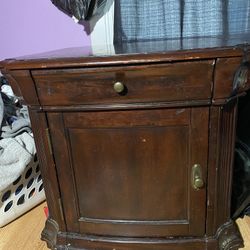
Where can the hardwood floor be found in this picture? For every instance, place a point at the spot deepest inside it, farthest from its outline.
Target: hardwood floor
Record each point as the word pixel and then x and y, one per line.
pixel 244 225
pixel 24 233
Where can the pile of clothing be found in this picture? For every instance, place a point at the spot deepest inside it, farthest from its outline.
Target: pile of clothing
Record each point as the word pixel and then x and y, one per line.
pixel 17 145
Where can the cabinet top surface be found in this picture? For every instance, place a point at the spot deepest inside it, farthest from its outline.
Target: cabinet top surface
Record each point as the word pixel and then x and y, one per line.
pixel 134 53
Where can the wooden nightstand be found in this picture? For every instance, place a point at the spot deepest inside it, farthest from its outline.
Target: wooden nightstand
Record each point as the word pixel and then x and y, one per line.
pixel 136 149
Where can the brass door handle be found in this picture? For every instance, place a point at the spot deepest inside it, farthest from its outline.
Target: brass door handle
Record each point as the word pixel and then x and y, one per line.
pixel 197 180
pixel 119 87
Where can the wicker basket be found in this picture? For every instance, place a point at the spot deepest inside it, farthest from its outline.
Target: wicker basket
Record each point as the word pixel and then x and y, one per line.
pixel 23 194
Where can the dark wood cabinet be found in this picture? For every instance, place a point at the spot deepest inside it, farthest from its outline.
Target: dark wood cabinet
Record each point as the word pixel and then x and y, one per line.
pixel 136 149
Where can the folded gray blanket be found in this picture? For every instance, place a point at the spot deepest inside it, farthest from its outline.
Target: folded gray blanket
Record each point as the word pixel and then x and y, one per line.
pixel 17 127
pixel 1 110
pixel 15 154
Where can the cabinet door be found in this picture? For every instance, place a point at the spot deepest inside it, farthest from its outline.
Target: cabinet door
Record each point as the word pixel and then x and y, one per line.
pixel 129 173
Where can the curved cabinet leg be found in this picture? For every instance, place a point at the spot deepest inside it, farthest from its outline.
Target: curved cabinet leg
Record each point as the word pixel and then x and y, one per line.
pixel 49 233
pixel 229 237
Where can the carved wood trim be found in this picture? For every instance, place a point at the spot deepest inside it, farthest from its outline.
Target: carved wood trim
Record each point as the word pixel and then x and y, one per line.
pixel 221 156
pixel 14 84
pixel 49 233
pixel 63 165
pixel 225 161
pixel 126 106
pixel 229 237
pixel 47 166
pixel 120 59
pixel 23 85
pixel 212 179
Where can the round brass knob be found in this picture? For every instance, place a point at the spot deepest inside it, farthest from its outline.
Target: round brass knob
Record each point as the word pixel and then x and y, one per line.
pixel 198 183
pixel 119 87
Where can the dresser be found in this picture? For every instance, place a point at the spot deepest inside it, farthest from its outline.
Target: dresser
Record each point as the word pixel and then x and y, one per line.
pixel 136 146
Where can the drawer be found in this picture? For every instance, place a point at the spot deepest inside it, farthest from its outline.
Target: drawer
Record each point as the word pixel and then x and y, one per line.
pixel 148 83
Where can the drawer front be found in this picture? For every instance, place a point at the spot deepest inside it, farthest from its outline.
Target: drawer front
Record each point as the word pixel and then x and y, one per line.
pixel 147 83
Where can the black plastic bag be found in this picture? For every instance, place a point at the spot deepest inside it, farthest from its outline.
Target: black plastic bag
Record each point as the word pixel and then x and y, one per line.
pixel 81 9
pixel 241 181
pixel 241 176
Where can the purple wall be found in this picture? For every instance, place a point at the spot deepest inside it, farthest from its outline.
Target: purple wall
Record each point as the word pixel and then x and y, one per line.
pixel 34 26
